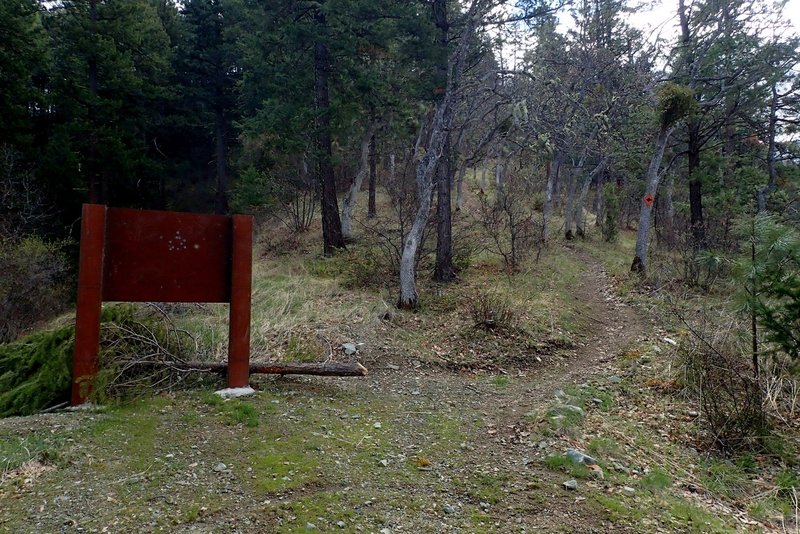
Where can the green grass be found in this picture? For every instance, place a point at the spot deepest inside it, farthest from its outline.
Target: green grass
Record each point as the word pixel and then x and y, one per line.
pixel 483 487
pixel 243 413
pixel 501 381
pixel 618 508
pixel 603 446
pixel 725 478
pixel 560 462
pixel 584 397
pixel 691 517
pixel 788 482
pixel 656 480
pixel 39 446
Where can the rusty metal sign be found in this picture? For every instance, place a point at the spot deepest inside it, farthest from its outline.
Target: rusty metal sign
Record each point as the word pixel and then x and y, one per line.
pixel 648 199
pixel 141 255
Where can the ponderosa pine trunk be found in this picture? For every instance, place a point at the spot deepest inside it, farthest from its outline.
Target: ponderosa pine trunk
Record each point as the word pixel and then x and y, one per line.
pixel 332 237
pixel 443 270
pixel 639 264
pixel 762 193
pixel 221 196
pixel 372 210
pixel 696 219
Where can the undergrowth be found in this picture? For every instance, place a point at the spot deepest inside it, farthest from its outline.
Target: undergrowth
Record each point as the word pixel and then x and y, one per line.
pixel 36 371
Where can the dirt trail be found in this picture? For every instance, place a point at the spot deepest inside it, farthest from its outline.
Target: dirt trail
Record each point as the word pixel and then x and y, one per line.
pixel 532 495
pixel 613 327
pixel 351 451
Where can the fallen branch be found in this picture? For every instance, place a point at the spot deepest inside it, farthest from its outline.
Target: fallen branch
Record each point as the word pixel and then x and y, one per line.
pixel 276 368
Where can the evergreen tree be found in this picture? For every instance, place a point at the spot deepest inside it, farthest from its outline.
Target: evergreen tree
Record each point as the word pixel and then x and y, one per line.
pixel 111 69
pixel 209 72
pixel 23 63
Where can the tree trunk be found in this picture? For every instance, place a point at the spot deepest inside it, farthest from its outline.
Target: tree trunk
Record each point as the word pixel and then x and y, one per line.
pixel 569 211
pixel 580 218
pixel 762 193
pixel 462 171
pixel 695 188
pixel 351 199
pixel 408 286
pixel 332 236
pixel 665 215
pixel 552 177
pixel 651 187
pixel 221 196
pixel 443 270
pixel 95 182
pixel 372 211
pixel 426 166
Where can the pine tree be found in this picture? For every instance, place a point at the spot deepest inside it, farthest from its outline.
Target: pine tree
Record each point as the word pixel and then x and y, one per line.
pixel 23 60
pixel 111 69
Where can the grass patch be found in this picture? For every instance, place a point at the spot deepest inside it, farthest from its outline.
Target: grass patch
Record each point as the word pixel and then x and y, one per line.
pixel 560 462
pixel 564 417
pixel 323 509
pixel 501 381
pixel 656 480
pixel 591 397
pixel 617 508
pixel 242 413
pixel 725 478
pixel 692 518
pixel 15 451
pixel 602 446
pixel 484 487
pixel 285 468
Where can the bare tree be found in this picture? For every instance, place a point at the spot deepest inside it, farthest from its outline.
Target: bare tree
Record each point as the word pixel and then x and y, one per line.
pixel 429 158
pixel 351 198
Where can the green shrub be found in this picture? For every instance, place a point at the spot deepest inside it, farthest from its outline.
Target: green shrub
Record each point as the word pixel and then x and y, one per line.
pixel 34 285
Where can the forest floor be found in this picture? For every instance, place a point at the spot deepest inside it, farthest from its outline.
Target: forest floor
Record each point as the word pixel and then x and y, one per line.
pixel 455 429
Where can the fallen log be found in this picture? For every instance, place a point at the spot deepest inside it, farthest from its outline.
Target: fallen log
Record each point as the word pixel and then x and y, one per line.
pixel 278 368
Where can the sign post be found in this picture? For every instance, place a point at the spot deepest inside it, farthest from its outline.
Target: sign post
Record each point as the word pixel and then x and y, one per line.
pixel 143 256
